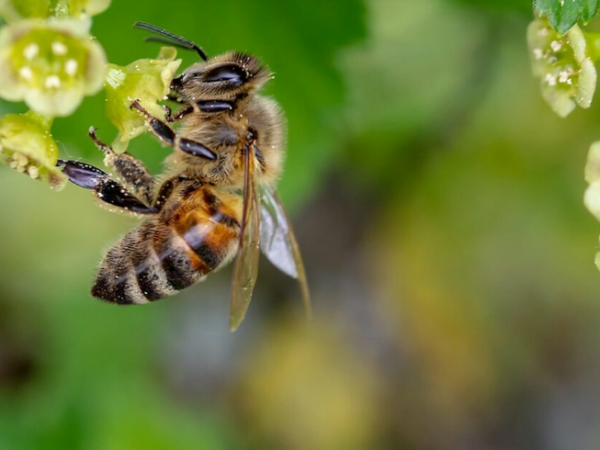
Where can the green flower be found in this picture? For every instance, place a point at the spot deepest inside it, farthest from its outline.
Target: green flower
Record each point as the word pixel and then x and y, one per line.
pixel 16 10
pixel 564 66
pixel 50 65
pixel 26 145
pixel 146 80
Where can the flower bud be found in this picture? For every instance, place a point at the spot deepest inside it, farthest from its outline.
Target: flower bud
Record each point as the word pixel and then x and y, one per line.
pixel 26 145
pixel 16 10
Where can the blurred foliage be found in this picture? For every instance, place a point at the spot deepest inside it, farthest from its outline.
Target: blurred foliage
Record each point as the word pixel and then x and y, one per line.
pixel 438 203
pixel 511 6
pixel 334 406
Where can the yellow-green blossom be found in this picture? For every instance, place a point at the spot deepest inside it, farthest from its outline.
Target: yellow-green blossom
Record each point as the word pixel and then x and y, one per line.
pixel 15 10
pixel 146 80
pixel 26 145
pixel 50 65
pixel 564 66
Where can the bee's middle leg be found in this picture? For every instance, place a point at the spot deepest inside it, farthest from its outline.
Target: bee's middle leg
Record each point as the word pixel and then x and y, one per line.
pixel 166 135
pixel 130 171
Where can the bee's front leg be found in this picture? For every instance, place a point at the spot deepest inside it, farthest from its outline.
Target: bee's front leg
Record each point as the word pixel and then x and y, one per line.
pixel 104 187
pixel 205 106
pixel 184 111
pixel 167 136
pixel 131 171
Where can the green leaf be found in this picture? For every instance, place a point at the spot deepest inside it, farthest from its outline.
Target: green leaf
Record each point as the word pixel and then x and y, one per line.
pixel 563 14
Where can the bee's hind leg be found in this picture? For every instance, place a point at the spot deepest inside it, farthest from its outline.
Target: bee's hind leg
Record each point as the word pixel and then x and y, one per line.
pixel 131 171
pixel 167 136
pixel 104 187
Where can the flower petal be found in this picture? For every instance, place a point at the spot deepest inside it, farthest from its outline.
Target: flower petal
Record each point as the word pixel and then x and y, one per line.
pixel 592 167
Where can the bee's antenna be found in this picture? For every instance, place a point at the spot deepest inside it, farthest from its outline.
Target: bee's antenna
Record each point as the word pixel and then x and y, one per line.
pixel 166 42
pixel 178 40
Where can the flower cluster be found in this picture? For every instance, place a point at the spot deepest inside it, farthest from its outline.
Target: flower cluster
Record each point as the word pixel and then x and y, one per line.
pixel 564 66
pixel 49 61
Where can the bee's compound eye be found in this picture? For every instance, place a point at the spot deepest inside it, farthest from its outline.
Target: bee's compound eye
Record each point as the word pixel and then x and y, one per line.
pixel 229 73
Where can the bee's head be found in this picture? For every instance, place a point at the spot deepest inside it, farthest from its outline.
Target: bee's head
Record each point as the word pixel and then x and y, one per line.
pixel 224 77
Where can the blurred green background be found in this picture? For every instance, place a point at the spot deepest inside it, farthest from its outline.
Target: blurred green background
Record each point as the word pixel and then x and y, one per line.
pixel 438 204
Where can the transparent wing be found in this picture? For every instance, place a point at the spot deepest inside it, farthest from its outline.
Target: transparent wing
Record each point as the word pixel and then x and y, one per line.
pixel 278 243
pixel 245 268
pixel 274 234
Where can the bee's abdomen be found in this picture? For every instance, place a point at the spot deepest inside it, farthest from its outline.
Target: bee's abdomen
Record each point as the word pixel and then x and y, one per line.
pixel 157 260
pixel 132 271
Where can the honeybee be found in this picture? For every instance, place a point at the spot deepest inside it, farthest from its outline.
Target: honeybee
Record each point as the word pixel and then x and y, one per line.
pixel 216 201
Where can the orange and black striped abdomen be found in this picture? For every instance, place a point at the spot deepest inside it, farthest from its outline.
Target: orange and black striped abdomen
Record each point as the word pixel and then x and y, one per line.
pixel 167 254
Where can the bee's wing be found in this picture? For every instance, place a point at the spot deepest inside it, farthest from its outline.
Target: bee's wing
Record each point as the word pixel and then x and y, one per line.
pixel 278 243
pixel 245 268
